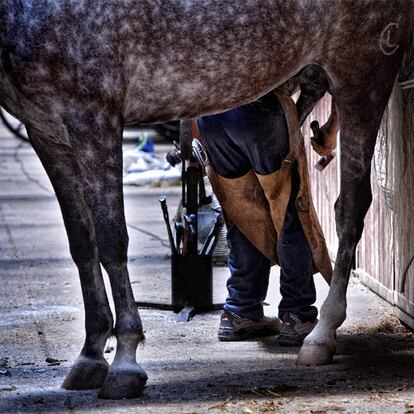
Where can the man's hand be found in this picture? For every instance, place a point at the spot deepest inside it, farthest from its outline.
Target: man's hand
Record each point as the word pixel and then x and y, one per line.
pixel 324 139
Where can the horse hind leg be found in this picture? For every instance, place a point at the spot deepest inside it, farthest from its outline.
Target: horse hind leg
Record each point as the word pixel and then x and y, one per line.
pixel 99 150
pixel 59 161
pixel 360 115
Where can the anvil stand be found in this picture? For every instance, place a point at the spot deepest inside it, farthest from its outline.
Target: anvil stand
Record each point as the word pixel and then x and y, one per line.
pixel 191 272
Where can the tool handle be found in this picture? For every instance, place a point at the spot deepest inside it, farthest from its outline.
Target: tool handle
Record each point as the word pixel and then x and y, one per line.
pixel 324 161
pixel 164 208
pixel 165 212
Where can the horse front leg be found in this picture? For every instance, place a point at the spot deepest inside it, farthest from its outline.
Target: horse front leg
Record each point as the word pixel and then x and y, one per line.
pixel 61 165
pixel 99 148
pixel 350 210
pixel 360 118
pixel 126 379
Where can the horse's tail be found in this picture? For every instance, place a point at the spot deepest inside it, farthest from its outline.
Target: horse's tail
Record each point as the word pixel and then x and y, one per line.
pixel 394 164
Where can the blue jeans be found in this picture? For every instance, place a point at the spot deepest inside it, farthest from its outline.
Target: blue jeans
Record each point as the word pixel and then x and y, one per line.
pixel 255 138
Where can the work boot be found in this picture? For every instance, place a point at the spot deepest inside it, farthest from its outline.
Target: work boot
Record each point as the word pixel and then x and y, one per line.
pixel 236 328
pixel 294 330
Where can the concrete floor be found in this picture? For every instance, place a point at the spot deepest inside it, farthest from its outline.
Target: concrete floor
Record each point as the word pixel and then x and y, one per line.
pixel 41 327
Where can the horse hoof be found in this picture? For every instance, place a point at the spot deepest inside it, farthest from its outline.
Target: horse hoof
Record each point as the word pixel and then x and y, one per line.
pixel 125 382
pixel 315 354
pixel 86 374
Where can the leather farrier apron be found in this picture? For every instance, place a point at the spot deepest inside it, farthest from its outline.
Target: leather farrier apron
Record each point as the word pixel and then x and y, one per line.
pixel 257 204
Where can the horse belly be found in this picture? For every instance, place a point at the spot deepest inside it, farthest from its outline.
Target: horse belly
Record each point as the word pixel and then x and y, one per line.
pixel 181 92
pixel 216 55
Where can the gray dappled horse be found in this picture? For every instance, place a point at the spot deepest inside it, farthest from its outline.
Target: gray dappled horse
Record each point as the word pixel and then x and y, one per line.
pixel 75 71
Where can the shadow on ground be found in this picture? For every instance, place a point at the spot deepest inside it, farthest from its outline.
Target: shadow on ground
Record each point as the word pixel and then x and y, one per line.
pixel 365 362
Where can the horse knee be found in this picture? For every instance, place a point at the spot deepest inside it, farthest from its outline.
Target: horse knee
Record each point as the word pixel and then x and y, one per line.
pixel 113 248
pixel 113 260
pixel 350 211
pixel 129 328
pixel 349 228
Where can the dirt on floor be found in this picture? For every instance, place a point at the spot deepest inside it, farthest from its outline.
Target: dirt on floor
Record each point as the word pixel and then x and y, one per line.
pixel 41 327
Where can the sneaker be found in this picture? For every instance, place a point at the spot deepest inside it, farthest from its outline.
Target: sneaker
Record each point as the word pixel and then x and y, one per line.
pixel 294 330
pixel 235 328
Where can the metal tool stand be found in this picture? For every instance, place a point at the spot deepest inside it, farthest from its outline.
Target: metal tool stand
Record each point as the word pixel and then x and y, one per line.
pixel 191 270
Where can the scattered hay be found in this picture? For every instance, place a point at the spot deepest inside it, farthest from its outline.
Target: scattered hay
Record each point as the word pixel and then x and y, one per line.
pixel 221 405
pixel 389 324
pixel 275 391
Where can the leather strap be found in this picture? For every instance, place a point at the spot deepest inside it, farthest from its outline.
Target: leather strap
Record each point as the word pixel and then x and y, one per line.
pixel 292 119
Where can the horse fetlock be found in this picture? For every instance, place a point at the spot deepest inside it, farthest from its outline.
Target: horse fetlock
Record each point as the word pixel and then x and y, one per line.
pixel 318 347
pixel 97 333
pixel 124 380
pixel 94 346
pixel 329 322
pixel 129 330
pixel 126 347
pixel 86 374
pixel 321 336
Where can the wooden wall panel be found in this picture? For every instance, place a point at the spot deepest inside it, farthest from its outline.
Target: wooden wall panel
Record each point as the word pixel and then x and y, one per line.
pixel 375 250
